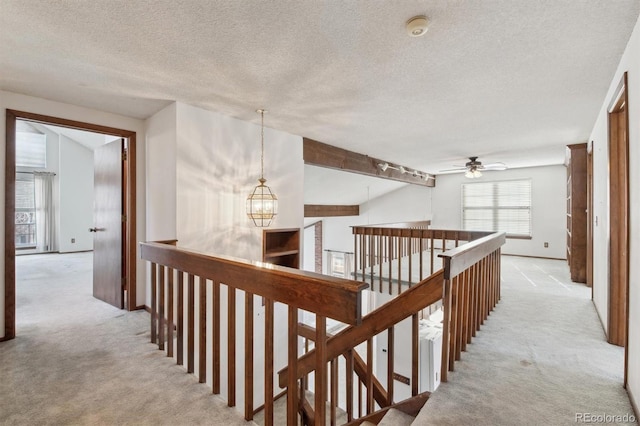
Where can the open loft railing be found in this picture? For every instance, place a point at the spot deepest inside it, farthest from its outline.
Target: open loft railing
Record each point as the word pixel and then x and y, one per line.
pixel 207 311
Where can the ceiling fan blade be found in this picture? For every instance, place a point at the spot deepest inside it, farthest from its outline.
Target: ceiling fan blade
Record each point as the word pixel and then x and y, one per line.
pixel 457 169
pixel 495 166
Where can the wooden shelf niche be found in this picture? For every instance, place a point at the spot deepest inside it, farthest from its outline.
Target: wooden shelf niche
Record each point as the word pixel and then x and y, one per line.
pixel 281 247
pixel 576 162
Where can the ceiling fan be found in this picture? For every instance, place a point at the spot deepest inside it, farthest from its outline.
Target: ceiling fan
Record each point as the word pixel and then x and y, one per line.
pixel 473 167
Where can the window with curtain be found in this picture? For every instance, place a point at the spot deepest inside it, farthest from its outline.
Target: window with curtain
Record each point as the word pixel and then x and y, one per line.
pixel 498 206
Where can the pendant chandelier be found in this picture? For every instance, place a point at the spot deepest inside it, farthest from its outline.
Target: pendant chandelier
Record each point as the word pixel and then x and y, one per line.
pixel 262 204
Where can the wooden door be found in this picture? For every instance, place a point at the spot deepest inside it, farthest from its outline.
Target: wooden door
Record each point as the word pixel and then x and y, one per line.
pixel 108 224
pixel 619 217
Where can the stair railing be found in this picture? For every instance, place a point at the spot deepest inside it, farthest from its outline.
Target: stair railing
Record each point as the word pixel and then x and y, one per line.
pixel 193 304
pixel 468 286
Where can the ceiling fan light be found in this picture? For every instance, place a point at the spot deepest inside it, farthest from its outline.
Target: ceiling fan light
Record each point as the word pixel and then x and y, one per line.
pixel 469 174
pixel 477 174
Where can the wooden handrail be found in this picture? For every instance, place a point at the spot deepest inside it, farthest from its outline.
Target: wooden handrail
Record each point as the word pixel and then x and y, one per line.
pixel 332 297
pixel 461 258
pixel 405 305
pixel 418 224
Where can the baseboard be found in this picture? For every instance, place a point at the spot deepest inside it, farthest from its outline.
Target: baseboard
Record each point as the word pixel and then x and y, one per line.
pixel 145 307
pixel 6 338
pixel 604 326
pixel 633 403
pixel 534 257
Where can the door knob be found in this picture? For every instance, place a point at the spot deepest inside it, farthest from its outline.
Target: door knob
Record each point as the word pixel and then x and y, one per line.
pixel 93 229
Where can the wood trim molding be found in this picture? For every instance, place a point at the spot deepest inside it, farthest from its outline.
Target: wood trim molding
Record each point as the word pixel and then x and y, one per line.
pixel 318 210
pixel 323 155
pixel 9 228
pixel 130 201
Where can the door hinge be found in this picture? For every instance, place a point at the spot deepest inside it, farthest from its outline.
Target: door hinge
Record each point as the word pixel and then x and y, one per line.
pixel 124 155
pixel 124 218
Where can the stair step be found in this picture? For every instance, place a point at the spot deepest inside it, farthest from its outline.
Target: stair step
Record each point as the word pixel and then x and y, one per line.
pixel 395 417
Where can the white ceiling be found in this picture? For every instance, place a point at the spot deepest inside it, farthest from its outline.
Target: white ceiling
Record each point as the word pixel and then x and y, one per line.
pixel 506 80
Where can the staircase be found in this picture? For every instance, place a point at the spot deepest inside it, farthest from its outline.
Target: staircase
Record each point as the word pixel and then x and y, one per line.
pixel 240 319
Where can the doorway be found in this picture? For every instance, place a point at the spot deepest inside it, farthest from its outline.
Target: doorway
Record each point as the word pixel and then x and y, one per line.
pixel 619 218
pixel 127 250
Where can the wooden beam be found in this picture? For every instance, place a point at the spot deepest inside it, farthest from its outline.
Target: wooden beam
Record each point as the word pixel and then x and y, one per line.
pixel 320 154
pixel 317 210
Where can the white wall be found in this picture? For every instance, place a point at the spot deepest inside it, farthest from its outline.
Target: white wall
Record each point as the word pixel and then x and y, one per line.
pixel 20 102
pixel 406 204
pixel 76 196
pixel 630 62
pixel 161 174
pixel 216 166
pixel 548 208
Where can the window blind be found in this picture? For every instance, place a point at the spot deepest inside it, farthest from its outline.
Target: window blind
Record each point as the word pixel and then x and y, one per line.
pixel 498 206
pixel 31 150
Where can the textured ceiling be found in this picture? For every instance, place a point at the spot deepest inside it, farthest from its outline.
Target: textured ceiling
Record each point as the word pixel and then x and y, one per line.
pixel 506 80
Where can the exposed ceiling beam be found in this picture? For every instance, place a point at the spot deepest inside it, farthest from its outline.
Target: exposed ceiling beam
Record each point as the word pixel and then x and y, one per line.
pixel 318 210
pixel 320 154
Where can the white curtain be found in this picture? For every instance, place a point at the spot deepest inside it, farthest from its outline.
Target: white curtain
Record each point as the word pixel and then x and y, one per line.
pixel 45 213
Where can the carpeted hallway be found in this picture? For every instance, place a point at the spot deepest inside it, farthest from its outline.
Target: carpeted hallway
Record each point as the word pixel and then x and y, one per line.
pixel 77 360
pixel 540 358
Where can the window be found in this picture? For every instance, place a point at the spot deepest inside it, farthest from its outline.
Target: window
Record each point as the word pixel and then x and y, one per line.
pixel 31 150
pixel 498 206
pixel 25 219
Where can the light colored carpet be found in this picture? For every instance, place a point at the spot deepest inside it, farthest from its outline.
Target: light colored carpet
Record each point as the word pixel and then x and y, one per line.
pixel 77 360
pixel 539 359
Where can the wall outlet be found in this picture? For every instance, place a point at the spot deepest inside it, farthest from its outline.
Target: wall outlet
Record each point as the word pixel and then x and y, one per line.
pixel 73 241
pixel 546 245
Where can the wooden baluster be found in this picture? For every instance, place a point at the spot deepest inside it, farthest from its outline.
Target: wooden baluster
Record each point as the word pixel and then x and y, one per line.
pixel 215 338
pixel 248 359
pixel 390 262
pixel 499 273
pixel 473 303
pixel 485 310
pixel 452 324
pixel 268 362
pixel 466 310
pixel 170 314
pixel 359 398
pixel 321 370
pixel 369 383
pixel 390 363
pixel 362 256
pixel 415 356
pixel 231 345
pixel 191 305
pixel 460 314
pixel 410 260
pixel 444 246
pixel 334 390
pixel 421 260
pixel 356 254
pixel 380 261
pixel 349 390
pixel 180 321
pixel 371 258
pixel 431 248
pixel 446 302
pixel 154 312
pixel 202 331
pixel 161 313
pixel 292 350
pixel 400 243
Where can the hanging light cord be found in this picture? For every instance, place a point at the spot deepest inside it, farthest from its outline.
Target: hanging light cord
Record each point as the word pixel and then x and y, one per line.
pixel 261 144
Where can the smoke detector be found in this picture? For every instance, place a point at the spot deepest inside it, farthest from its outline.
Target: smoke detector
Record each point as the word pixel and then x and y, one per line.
pixel 417 26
